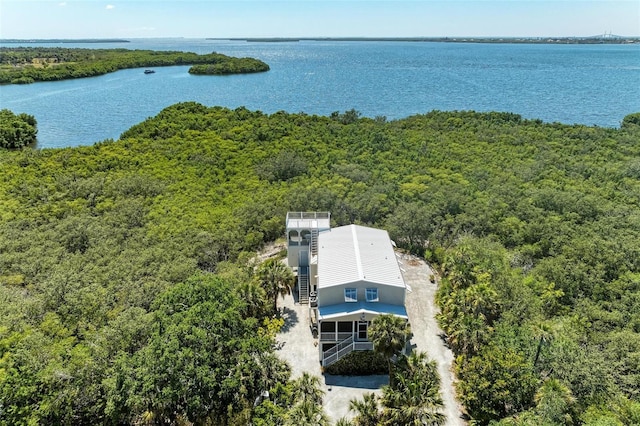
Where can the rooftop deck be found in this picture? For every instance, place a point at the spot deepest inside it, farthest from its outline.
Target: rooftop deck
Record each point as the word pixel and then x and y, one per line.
pixel 308 220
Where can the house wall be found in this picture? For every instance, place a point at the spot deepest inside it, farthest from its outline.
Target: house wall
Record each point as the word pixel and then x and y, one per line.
pixel 386 294
pixel 313 275
pixel 295 243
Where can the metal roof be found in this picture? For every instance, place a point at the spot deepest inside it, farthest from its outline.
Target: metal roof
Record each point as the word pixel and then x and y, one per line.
pixel 343 309
pixel 355 253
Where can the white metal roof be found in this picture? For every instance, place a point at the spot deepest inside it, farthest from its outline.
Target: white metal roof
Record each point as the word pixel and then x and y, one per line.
pixel 357 253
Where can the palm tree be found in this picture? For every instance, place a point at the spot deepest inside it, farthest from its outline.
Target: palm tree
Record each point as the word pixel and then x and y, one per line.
pixel 545 332
pixel 307 389
pixel 306 413
pixel 389 335
pixel 254 298
pixel 555 402
pixel 367 410
pixel 276 279
pixel 271 370
pixel 307 407
pixel 467 315
pixel 413 398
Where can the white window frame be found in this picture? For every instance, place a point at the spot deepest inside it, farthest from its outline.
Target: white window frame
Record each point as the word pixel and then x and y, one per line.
pixel 370 292
pixel 350 294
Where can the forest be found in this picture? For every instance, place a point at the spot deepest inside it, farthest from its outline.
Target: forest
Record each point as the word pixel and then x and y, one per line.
pixel 24 65
pixel 127 279
pixel 17 130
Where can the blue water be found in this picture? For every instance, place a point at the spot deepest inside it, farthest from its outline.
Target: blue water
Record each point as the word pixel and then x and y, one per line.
pixel 586 84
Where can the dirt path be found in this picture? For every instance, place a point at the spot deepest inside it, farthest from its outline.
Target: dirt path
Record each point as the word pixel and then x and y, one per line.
pixel 421 308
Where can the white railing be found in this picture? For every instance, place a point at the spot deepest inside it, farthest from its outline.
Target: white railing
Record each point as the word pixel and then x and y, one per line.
pixel 342 336
pixel 343 348
pixel 338 351
pixel 328 336
pixel 362 346
pixel 308 215
pixel 332 335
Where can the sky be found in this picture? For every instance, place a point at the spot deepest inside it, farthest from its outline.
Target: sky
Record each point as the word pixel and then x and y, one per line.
pixel 316 18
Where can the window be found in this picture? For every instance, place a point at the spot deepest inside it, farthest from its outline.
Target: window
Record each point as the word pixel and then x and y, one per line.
pixel 350 295
pixel 372 295
pixel 328 326
pixel 345 327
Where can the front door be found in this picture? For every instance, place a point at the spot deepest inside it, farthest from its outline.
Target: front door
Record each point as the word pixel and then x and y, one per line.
pixel 362 331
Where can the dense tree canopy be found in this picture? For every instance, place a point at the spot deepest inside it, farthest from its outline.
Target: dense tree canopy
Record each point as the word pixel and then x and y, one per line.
pixel 122 260
pixel 17 130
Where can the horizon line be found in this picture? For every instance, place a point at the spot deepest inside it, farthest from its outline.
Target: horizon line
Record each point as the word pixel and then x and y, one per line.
pixel 312 38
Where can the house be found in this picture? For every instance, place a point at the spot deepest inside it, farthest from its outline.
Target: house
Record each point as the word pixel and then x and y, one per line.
pixel 355 276
pixel 303 229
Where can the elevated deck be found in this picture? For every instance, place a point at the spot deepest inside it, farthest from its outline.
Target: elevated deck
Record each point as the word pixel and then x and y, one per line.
pixel 308 220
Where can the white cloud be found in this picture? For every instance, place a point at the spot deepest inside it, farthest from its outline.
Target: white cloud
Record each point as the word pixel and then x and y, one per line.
pixel 110 6
pixel 62 4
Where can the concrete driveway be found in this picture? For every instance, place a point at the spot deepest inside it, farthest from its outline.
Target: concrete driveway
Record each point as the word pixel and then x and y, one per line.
pixel 300 350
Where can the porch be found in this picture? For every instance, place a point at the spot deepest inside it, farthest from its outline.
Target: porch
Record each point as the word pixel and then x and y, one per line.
pixel 339 338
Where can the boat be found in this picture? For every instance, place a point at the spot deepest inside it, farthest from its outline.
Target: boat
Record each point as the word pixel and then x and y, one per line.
pixel 149 71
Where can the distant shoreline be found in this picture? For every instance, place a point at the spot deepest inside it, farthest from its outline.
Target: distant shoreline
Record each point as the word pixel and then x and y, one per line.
pixel 600 39
pixel 64 40
pixel 606 39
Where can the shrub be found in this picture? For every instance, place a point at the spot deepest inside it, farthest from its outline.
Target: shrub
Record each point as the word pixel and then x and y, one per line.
pixel 359 363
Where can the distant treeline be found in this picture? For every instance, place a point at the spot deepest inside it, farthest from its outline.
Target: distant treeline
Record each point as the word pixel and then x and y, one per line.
pixel 602 39
pixel 63 40
pixel 25 65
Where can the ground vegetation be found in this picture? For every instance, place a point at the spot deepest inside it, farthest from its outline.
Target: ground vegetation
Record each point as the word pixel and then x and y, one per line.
pixel 125 284
pixel 23 65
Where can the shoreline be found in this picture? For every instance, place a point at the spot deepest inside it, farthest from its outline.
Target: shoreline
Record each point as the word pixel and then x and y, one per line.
pixel 489 40
pixel 599 39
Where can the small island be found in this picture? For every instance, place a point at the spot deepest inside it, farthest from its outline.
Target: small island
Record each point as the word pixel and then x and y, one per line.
pixel 230 66
pixel 24 65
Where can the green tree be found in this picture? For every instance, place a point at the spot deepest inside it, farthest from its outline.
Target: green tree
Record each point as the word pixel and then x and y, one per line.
pixel 555 403
pixel 185 372
pixel 307 408
pixel 413 397
pixel 631 120
pixel 496 383
pixel 16 131
pixel 306 413
pixel 276 279
pixel 367 410
pixel 254 297
pixel 389 334
pixel 307 389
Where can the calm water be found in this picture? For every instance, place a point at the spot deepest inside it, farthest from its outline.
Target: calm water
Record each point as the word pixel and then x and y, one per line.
pixel 586 84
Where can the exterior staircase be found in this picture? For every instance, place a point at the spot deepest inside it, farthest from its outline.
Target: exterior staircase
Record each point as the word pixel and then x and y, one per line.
pixel 337 352
pixel 303 277
pixel 343 348
pixel 314 242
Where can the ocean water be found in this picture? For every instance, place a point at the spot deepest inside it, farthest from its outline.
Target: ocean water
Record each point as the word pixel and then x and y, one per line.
pixel 585 84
